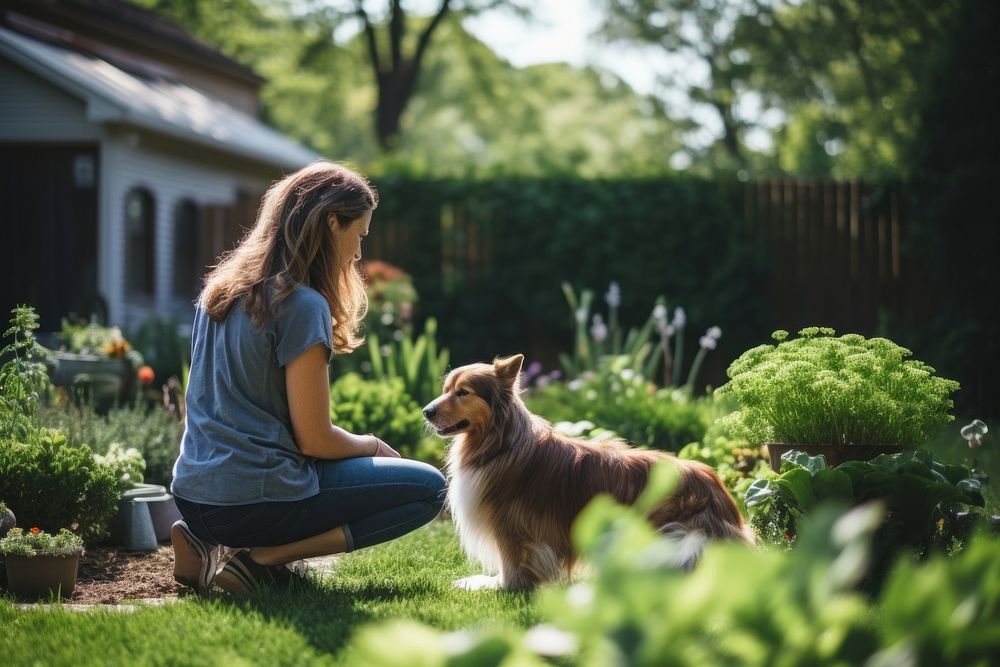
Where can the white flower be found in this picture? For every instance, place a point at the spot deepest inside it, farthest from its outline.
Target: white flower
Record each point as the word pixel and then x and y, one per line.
pixel 386 319
pixel 660 314
pixel 973 433
pixel 627 373
pixel 575 385
pixel 714 332
pixel 385 350
pixel 398 335
pixel 707 342
pixel 680 318
pixel 614 295
pixel 581 316
pixel 666 330
pixel 591 395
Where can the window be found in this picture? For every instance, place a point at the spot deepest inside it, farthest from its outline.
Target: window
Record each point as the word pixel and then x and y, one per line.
pixel 187 251
pixel 140 240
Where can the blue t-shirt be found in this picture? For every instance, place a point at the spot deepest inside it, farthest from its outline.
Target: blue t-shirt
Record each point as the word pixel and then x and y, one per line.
pixel 238 446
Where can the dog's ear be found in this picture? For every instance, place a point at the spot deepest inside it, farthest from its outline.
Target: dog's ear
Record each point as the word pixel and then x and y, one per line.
pixel 508 369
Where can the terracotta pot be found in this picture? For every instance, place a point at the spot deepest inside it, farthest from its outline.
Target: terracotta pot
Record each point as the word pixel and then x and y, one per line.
pixel 42 575
pixel 835 454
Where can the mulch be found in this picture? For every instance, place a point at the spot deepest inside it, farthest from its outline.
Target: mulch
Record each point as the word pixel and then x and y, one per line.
pixel 111 576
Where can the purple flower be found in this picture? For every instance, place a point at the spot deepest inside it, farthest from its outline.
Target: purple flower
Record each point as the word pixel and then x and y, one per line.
pixel 614 295
pixel 707 342
pixel 599 330
pixel 680 318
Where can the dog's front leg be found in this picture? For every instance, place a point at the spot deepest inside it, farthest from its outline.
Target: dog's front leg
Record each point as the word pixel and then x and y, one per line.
pixel 529 566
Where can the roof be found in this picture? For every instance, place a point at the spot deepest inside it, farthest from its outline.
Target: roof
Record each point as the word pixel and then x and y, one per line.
pixel 141 27
pixel 172 109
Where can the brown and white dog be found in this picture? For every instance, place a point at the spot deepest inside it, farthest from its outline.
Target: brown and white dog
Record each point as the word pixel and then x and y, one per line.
pixel 516 485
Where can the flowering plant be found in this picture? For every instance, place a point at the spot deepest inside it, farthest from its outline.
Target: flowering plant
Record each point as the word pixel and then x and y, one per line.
pixel 97 340
pixel 824 390
pixel 655 350
pixel 34 542
pixel 391 297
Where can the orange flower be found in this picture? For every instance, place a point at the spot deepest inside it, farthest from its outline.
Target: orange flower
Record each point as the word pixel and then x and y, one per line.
pixel 146 374
pixel 36 530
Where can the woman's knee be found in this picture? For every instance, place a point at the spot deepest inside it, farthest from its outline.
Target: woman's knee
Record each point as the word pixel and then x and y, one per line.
pixel 436 484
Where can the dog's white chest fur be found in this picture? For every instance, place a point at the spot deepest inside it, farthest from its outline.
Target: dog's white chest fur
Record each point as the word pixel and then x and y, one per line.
pixel 466 502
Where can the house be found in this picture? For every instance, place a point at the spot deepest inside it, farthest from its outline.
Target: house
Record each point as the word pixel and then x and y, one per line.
pixel 131 154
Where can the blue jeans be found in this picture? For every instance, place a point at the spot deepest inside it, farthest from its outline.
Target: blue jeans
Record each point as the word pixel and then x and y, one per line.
pixel 374 499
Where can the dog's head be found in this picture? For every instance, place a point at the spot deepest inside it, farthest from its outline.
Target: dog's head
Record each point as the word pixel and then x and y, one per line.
pixel 472 394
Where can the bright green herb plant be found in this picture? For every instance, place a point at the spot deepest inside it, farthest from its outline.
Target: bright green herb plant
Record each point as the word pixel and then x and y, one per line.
pixel 34 542
pixel 848 390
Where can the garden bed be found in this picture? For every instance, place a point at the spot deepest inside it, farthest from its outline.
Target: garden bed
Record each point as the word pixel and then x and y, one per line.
pixel 111 576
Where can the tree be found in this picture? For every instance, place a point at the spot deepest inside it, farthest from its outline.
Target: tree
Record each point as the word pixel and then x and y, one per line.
pixel 851 77
pixel 396 73
pixel 700 30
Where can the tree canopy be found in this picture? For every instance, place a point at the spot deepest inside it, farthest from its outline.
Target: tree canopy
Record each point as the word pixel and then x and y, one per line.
pixel 844 84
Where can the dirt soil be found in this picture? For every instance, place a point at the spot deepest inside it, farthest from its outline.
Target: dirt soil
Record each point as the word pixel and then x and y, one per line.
pixel 112 576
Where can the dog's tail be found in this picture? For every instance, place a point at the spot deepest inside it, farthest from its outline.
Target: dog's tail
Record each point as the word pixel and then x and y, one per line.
pixel 701 510
pixel 690 544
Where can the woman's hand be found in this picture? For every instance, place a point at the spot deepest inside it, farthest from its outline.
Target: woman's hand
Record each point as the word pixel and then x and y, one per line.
pixel 384 450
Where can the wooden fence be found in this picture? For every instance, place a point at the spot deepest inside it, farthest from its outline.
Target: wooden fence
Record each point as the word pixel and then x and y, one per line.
pixel 837 251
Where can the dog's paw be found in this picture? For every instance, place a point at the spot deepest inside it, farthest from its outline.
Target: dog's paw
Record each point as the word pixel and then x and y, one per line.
pixel 477 582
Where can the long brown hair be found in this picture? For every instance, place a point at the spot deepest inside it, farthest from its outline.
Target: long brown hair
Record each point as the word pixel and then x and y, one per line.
pixel 291 244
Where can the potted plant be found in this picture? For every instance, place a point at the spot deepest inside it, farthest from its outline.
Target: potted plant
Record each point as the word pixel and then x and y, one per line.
pixel 40 563
pixel 98 362
pixel 846 397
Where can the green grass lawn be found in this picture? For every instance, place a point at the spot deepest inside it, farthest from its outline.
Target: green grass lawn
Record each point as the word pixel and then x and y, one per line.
pixel 409 578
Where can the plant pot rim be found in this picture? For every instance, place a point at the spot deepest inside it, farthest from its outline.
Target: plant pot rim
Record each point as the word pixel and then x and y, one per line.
pixel 65 553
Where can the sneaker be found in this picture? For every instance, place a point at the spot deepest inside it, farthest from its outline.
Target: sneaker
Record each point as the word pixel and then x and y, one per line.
pixel 195 561
pixel 242 575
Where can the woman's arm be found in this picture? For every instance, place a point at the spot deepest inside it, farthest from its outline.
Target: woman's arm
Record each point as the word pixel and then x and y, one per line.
pixel 307 381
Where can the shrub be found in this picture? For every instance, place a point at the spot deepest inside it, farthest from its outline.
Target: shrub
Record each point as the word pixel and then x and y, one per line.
pixel 52 484
pixel 739 606
pixel 621 401
pixel 919 493
pixel 818 389
pixel 385 409
pixel 126 465
pixel 151 431
pixel 738 463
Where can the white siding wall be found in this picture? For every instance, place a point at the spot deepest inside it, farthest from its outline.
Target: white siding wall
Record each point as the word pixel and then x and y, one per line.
pixel 34 110
pixel 171 180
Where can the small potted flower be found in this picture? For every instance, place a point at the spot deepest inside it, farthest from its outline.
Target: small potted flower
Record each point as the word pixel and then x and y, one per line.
pixel 40 564
pixel 846 397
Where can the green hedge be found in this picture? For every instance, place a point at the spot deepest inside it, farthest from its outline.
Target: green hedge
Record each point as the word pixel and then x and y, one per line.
pixel 680 237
